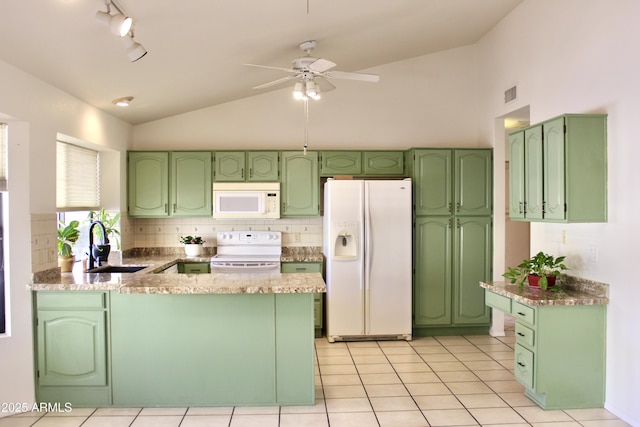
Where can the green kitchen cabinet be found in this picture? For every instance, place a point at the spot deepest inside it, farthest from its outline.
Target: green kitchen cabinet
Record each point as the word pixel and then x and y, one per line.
pixel 318 304
pixel 300 184
pixel 560 172
pixel 340 163
pixel 169 184
pixel 240 166
pixel 559 352
pixel 453 182
pixel 229 166
pixel 148 184
pixel 383 163
pixel 190 183
pixel 451 256
pixel 71 339
pixel 453 203
pixel 362 163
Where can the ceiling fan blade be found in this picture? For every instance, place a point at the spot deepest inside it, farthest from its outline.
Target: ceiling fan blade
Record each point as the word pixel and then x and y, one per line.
pixel 325 85
pixel 288 70
pixel 353 76
pixel 321 65
pixel 275 82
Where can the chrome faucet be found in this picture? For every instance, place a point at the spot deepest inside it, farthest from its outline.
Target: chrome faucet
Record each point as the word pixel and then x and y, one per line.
pixel 105 241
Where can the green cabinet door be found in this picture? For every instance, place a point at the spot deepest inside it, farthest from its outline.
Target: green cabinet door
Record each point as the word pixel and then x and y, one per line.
pixel 72 348
pixel 318 305
pixel 340 163
pixel 554 169
pixel 433 187
pixel 533 172
pixel 383 163
pixel 472 263
pixel 473 182
pixel 263 166
pixel 300 184
pixel 148 184
pixel 191 184
pixel 516 175
pixel 433 269
pixel 229 166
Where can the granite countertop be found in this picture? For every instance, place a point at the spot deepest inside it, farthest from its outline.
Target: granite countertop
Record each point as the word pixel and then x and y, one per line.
pixel 150 281
pixel 571 291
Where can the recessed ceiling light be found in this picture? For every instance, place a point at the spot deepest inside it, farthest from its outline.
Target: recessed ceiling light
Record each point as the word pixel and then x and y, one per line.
pixel 123 102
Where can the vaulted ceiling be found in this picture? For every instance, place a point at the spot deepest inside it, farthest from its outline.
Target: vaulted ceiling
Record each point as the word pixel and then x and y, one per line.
pixel 197 48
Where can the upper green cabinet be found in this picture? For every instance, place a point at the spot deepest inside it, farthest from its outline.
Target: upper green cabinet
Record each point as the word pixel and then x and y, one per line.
pixel 358 163
pixel 162 184
pixel 452 182
pixel 558 170
pixel 300 184
pixel 238 166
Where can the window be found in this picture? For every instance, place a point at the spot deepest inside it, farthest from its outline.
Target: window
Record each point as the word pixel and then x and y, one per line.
pixel 77 178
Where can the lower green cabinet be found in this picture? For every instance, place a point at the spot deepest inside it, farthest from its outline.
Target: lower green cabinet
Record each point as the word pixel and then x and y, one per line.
pixel 72 348
pixel 318 299
pixel 559 352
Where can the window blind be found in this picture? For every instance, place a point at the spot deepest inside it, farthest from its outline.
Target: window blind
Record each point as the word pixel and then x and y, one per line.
pixel 3 157
pixel 77 178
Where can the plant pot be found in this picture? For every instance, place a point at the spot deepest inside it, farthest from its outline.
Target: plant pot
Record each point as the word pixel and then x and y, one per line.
pixel 193 249
pixel 66 263
pixel 534 281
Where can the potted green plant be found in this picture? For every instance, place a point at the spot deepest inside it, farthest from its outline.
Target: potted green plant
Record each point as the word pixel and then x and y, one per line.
pixel 67 235
pixel 540 270
pixel 192 245
pixel 110 223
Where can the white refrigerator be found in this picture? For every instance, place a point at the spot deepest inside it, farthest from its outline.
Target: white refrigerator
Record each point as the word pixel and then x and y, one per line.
pixel 368 251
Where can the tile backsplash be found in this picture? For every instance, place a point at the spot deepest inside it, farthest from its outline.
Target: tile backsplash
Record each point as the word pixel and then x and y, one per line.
pixel 166 232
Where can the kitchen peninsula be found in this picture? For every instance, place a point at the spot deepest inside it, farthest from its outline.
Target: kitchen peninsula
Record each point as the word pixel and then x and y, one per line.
pixel 151 339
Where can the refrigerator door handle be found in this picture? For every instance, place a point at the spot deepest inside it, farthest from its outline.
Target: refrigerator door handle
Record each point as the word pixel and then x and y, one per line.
pixel 367 258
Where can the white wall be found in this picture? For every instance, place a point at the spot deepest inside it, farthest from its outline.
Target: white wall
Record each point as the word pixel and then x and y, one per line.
pixel 425 101
pixel 576 56
pixel 36 113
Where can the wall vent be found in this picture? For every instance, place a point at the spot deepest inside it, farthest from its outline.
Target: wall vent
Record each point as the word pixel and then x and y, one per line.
pixel 511 94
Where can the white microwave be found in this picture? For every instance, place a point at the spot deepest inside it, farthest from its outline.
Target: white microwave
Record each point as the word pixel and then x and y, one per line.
pixel 246 200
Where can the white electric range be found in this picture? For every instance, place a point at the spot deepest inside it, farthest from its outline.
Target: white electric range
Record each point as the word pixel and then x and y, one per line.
pixel 248 252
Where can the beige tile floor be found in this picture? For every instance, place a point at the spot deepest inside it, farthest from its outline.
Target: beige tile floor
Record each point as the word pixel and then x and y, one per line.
pixel 435 381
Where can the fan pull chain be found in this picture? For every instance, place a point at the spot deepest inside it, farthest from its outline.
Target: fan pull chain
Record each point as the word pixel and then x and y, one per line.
pixel 306 126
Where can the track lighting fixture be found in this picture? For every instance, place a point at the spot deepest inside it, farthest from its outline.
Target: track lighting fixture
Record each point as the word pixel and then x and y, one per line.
pixel 118 23
pixel 135 50
pixel 122 25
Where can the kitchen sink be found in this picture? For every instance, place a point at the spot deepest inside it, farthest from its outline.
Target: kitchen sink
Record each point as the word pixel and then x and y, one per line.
pixel 117 269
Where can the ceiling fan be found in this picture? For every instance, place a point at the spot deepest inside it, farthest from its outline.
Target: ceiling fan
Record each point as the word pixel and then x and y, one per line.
pixel 307 69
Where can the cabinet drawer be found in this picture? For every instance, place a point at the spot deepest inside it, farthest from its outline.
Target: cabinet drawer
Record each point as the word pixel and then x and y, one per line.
pixel 523 312
pixel 525 335
pixel 71 300
pixel 194 267
pixel 524 360
pixel 301 267
pixel 498 302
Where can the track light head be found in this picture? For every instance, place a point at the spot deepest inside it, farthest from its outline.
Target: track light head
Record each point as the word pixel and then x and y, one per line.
pixel 118 24
pixel 135 50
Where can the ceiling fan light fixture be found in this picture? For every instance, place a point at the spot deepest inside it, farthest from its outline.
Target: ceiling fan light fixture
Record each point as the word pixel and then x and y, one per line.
pixel 312 90
pixel 298 91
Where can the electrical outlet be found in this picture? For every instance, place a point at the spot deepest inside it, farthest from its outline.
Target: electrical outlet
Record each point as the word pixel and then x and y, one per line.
pixel 564 237
pixel 296 237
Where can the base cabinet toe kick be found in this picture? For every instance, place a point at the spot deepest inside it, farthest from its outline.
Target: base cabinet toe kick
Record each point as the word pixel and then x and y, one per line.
pixel 559 352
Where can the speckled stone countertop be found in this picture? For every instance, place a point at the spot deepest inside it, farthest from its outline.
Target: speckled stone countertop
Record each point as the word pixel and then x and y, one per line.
pixel 571 291
pixel 150 280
